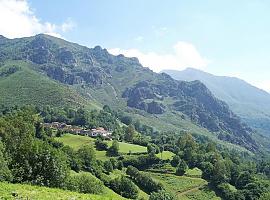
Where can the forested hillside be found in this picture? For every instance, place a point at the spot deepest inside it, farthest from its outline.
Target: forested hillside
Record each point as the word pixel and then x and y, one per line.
pixel 163 165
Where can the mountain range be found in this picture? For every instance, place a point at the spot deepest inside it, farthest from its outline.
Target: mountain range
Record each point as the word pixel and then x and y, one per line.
pixel 250 103
pixel 44 70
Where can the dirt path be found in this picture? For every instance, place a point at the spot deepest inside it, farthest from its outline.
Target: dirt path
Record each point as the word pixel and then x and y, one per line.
pixel 188 191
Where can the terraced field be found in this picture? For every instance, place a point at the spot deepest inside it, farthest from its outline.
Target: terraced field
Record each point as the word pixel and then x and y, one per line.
pixel 185 187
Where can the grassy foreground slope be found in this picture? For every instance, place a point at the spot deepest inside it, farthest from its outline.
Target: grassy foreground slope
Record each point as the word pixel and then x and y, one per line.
pixel 23 191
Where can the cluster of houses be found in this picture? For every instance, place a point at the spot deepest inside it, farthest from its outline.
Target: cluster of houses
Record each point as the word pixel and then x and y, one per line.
pixel 100 131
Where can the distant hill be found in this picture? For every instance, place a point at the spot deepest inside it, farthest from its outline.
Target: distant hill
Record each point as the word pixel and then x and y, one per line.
pixel 45 70
pixel 250 103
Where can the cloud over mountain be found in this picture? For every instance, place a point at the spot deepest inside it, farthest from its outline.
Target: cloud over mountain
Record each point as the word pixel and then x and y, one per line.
pixel 17 19
pixel 184 55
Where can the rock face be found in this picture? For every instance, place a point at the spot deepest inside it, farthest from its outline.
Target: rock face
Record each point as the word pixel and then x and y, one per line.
pixel 140 88
pixel 254 110
pixel 65 56
pixel 155 107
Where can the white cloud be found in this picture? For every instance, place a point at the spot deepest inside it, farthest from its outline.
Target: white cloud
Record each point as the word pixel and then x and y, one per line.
pixel 184 55
pixel 17 19
pixel 68 25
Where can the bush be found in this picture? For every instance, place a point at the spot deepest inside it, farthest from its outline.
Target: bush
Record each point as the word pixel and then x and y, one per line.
pixel 143 180
pixel 133 172
pixel 152 149
pixel 101 145
pixel 73 160
pixel 5 173
pixel 106 179
pixel 114 149
pixel 84 183
pixel 181 168
pixel 41 164
pixel 226 191
pixel 207 170
pixel 141 162
pixel 114 163
pixel 243 179
pixel 124 187
pixel 175 161
pixel 126 120
pixel 108 166
pixel 120 165
pixel 87 156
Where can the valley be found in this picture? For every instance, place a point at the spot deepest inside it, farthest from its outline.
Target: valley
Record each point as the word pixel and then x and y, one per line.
pixel 81 123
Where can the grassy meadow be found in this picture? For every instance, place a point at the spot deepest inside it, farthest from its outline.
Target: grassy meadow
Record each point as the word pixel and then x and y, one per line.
pixel 76 141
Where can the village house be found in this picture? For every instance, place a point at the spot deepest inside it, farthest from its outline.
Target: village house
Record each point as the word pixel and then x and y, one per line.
pixel 85 132
pixel 100 131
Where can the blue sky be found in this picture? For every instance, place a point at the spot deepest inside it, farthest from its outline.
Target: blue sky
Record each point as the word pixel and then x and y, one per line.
pixel 223 37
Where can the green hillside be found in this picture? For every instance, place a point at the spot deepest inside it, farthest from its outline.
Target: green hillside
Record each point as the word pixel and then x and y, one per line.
pixel 39 154
pixel 24 86
pixel 57 73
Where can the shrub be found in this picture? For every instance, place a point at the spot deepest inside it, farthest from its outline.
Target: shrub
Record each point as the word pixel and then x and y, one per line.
pixel 124 187
pixel 144 180
pixel 126 120
pixel 108 166
pixel 120 165
pixel 84 183
pixel 5 173
pixel 114 149
pixel 207 170
pixel 226 191
pixel 152 149
pixel 175 161
pixel 243 179
pixel 106 179
pixel 141 162
pixel 114 163
pixel 42 165
pixel 101 145
pixel 133 172
pixel 73 160
pixel 87 156
pixel 181 168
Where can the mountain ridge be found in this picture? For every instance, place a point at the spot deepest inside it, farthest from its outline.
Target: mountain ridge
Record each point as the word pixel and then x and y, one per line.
pixel 249 102
pixel 124 84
